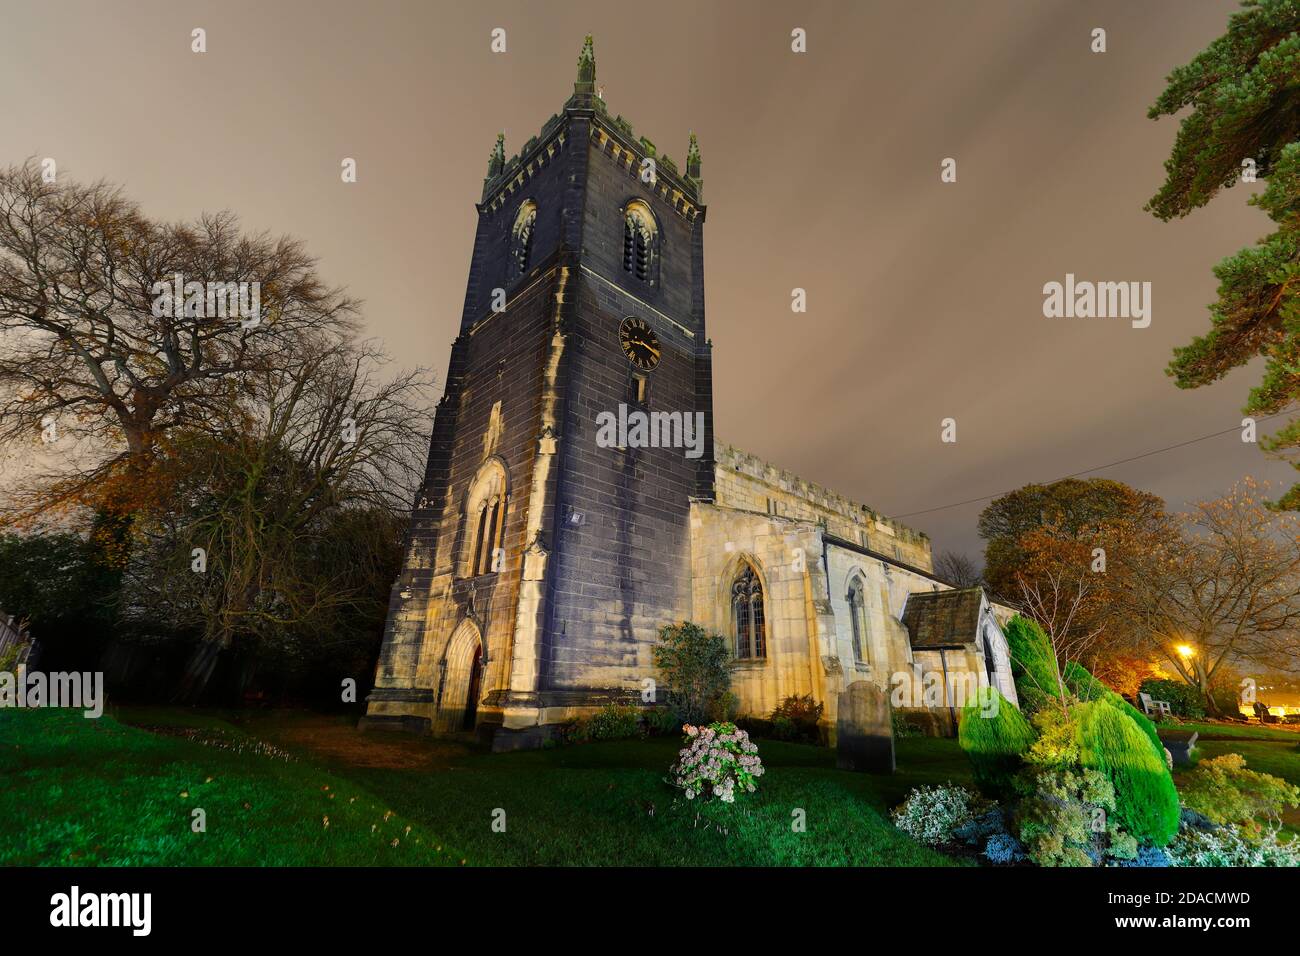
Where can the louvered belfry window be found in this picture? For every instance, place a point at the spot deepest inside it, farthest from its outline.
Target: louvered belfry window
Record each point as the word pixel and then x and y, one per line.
pixel 639 242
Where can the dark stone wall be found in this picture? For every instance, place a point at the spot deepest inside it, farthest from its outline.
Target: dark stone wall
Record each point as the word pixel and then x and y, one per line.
pixel 625 571
pixel 550 187
pixel 613 580
pixel 497 357
pixel 610 186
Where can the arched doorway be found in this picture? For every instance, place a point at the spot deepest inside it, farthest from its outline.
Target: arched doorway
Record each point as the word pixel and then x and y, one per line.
pixel 475 688
pixel 462 679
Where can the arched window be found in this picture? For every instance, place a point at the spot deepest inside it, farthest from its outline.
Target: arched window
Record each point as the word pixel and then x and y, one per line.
pixel 485 509
pixel 747 611
pixel 488 540
pixel 521 236
pixel 480 539
pixel 858 620
pixel 640 241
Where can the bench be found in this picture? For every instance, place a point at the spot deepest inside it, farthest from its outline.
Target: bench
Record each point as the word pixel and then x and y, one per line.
pixel 1153 707
pixel 1261 711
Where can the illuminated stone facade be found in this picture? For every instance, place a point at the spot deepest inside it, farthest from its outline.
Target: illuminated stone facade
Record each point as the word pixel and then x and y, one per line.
pixel 541 560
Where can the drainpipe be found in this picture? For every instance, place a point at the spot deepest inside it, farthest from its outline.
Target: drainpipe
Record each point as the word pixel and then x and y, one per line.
pixel 947 696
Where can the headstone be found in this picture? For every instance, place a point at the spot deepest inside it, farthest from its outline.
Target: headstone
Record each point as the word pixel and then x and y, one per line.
pixel 1179 745
pixel 864 731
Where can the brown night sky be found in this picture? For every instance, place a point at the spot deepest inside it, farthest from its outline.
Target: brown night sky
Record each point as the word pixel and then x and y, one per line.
pixel 821 171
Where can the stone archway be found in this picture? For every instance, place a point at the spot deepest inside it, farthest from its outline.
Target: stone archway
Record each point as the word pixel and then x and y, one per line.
pixel 462 679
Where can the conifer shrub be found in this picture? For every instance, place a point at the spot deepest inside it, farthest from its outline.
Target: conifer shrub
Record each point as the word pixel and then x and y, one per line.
pixel 1110 742
pixel 995 736
pixel 1142 720
pixel 1057 746
pixel 1003 848
pixel 1033 664
pixel 1070 820
pixel 1082 684
pixel 1224 791
pixel 1033 700
pixel 1087 688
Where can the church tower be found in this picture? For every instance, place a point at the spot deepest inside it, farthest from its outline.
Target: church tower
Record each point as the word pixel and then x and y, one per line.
pixel 544 556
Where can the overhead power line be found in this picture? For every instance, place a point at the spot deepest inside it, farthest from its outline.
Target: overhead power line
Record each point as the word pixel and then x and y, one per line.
pixel 1088 471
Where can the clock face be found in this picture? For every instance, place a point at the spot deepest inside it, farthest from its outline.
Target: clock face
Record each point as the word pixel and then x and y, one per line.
pixel 640 344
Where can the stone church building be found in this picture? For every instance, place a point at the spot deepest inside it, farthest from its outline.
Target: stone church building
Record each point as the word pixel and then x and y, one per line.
pixel 542 559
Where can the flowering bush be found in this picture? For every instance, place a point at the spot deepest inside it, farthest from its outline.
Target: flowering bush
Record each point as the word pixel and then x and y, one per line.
pixel 929 815
pixel 718 761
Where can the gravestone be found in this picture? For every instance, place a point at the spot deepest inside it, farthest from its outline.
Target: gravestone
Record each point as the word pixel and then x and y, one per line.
pixel 1179 745
pixel 864 731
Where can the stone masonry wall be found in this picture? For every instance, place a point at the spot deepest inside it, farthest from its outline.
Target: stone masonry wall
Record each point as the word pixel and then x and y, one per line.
pixel 747 482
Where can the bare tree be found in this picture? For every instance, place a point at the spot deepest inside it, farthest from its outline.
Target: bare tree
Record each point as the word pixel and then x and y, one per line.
pixel 263 495
pixel 958 570
pixel 1058 598
pixel 92 340
pixel 1226 591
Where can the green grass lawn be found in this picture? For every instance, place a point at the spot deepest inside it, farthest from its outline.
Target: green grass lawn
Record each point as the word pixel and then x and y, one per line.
pixel 1266 749
pixel 98 792
pixel 606 803
pixel 1235 731
pixel 104 792
pixel 121 790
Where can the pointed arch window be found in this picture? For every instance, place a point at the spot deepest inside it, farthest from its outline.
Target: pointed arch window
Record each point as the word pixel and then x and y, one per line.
pixel 749 615
pixel 640 242
pixel 858 620
pixel 480 540
pixel 521 236
pixel 486 506
pixel 489 536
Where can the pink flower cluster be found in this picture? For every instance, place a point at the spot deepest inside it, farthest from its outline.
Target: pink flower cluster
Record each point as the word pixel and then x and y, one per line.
pixel 718 761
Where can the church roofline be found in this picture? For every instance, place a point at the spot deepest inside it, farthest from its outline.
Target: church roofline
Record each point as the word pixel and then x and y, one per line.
pixel 846 544
pixel 762 470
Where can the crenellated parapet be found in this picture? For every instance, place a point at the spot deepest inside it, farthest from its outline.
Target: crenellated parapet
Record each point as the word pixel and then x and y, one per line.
pixel 747 482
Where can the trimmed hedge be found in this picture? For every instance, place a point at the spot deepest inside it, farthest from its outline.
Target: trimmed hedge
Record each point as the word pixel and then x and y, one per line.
pixel 1184 699
pixel 994 735
pixel 1146 802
